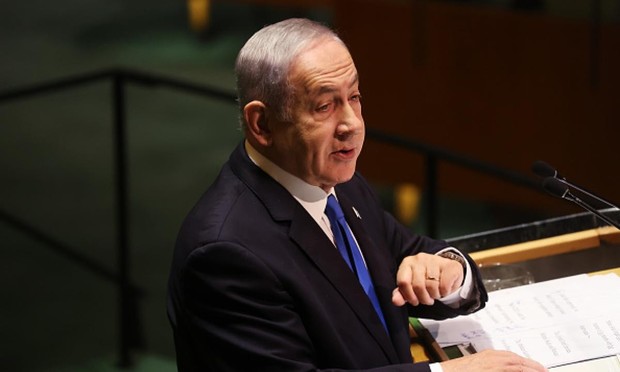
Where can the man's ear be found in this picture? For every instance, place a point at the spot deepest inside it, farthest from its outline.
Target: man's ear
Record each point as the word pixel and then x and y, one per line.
pixel 256 119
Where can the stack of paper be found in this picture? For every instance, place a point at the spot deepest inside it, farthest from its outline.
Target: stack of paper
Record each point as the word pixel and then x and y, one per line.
pixel 556 322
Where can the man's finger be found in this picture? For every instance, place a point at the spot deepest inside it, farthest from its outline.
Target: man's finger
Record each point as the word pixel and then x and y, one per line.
pixel 403 280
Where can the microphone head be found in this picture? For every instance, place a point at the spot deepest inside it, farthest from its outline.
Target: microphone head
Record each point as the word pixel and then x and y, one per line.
pixel 555 187
pixel 542 169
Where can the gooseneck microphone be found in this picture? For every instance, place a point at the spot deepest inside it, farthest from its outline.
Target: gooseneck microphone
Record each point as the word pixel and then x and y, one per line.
pixel 556 187
pixel 545 170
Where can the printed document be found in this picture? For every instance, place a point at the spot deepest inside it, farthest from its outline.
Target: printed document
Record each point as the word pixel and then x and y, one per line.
pixel 557 322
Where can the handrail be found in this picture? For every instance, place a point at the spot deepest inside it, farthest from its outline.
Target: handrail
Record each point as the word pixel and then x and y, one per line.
pixel 63 249
pixel 129 75
pixel 119 77
pixel 433 154
pixel 455 158
pixel 52 86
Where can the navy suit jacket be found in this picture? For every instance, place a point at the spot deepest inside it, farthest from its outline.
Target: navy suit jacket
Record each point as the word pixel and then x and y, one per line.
pixel 256 284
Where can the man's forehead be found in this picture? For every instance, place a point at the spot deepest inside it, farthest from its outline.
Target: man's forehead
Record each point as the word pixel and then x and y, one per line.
pixel 323 66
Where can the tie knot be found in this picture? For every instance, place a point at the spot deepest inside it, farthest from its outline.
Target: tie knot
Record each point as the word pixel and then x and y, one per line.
pixel 333 209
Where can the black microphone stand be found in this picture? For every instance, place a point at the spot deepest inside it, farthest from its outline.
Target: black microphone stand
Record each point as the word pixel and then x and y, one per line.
pixel 560 189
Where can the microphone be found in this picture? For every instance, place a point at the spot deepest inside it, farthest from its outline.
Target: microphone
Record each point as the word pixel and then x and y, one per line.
pixel 542 169
pixel 545 170
pixel 560 189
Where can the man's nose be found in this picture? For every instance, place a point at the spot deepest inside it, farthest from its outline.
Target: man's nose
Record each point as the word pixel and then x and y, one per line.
pixel 351 121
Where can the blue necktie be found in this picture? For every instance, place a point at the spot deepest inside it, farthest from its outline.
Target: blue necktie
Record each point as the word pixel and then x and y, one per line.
pixel 350 252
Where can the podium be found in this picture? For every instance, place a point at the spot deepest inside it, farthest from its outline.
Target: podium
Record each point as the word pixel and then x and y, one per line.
pixel 551 249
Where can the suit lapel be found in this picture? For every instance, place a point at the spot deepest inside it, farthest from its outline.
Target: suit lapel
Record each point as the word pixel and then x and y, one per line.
pixel 379 269
pixel 380 272
pixel 311 239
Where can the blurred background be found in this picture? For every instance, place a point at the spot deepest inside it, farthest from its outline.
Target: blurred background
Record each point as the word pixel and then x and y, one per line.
pixel 88 221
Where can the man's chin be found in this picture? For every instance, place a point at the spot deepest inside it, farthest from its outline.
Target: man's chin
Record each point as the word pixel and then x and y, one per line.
pixel 344 177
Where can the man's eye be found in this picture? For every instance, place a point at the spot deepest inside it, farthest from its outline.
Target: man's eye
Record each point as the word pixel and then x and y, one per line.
pixel 323 108
pixel 356 97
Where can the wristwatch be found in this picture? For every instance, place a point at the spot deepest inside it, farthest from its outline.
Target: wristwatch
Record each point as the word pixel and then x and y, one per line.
pixel 478 295
pixel 454 257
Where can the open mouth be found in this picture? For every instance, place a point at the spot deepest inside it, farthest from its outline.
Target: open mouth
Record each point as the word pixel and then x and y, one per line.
pixel 345 153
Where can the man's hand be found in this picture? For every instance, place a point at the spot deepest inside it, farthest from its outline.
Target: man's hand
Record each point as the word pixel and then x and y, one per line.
pixel 423 278
pixel 492 361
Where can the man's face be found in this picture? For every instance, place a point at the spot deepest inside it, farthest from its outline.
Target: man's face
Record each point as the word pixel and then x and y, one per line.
pixel 325 138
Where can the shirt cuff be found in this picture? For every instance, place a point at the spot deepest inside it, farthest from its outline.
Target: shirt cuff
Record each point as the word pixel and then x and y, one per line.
pixel 464 292
pixel 435 367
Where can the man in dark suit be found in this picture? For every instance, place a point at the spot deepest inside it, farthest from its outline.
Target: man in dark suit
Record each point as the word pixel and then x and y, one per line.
pixel 266 274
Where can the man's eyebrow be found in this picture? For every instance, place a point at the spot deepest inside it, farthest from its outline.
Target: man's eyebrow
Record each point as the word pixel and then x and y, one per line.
pixel 330 88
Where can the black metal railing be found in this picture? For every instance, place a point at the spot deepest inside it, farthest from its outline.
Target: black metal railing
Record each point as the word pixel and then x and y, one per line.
pixel 128 294
pixel 433 155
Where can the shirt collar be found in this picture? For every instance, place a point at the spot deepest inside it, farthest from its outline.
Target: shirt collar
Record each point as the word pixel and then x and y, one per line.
pixel 312 198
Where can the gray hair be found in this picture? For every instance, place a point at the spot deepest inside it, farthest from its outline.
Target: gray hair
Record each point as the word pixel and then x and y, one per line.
pixel 263 63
